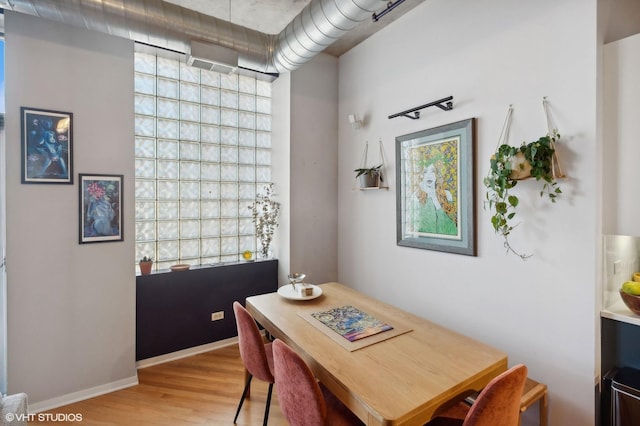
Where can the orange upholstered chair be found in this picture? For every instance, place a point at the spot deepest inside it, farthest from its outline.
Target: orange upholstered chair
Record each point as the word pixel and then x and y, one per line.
pixel 497 405
pixel 257 356
pixel 303 401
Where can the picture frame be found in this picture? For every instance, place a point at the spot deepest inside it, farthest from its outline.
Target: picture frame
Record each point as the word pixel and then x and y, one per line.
pixel 47 146
pixel 100 208
pixel 435 188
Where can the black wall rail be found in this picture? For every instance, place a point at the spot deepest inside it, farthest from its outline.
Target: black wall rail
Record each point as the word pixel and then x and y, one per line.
pixel 390 6
pixel 444 104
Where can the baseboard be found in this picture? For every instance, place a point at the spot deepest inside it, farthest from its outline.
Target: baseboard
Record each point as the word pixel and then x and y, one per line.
pixel 128 382
pixel 148 362
pixel 70 398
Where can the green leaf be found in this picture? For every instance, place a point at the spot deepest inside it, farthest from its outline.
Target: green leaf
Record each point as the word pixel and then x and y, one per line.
pixel 513 200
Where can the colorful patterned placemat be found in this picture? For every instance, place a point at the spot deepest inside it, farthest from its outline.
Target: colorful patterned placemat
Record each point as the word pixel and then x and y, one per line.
pixel 351 323
pixel 352 328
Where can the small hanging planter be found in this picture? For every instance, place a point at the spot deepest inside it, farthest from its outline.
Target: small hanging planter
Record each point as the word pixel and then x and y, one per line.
pixel 520 167
pixel 370 177
pixel 537 159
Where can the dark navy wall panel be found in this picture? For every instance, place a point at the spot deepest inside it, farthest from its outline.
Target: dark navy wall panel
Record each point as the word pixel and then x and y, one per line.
pixel 173 309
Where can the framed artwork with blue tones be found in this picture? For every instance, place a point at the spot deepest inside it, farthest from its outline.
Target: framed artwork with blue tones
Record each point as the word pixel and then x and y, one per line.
pixel 435 188
pixel 100 208
pixel 47 146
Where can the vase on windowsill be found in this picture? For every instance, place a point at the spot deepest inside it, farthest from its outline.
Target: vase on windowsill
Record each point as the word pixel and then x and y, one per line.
pixel 264 253
pixel 264 212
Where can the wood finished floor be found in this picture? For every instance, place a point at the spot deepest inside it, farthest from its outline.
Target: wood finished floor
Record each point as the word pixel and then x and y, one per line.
pixel 202 389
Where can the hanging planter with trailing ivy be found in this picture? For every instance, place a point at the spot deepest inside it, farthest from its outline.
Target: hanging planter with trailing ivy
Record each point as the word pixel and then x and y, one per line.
pixel 509 165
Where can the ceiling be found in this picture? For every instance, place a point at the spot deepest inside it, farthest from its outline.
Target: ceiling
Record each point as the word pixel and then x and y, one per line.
pixel 272 16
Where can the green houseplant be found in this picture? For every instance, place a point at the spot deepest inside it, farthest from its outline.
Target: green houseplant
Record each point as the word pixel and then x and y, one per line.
pixel 510 164
pixel 369 176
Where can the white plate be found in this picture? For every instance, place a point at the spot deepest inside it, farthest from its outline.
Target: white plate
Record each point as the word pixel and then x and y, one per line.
pixel 287 291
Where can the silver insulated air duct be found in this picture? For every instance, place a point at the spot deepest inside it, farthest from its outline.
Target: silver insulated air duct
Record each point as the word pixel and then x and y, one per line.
pixel 319 24
pixel 165 25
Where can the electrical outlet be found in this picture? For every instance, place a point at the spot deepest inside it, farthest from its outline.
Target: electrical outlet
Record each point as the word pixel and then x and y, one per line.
pixel 215 316
pixel 616 267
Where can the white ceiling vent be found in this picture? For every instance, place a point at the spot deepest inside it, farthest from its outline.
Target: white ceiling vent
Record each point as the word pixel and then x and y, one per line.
pixel 212 57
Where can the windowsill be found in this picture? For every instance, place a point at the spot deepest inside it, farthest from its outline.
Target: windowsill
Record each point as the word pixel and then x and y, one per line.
pixel 206 266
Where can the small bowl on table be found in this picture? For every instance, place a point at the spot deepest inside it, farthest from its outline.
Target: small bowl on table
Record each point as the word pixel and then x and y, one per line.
pixel 632 302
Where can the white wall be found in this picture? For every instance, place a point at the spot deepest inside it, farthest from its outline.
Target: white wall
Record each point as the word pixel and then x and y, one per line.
pixel 305 169
pixel 488 55
pixel 71 307
pixel 281 170
pixel 314 169
pixel 621 130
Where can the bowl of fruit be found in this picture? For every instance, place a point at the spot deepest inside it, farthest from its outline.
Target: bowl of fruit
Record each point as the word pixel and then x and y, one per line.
pixel 630 293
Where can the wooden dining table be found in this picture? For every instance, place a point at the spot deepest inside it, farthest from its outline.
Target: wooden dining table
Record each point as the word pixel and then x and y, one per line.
pixel 403 379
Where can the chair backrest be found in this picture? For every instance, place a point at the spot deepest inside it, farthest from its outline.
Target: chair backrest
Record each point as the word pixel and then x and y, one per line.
pixel 299 394
pixel 499 402
pixel 252 350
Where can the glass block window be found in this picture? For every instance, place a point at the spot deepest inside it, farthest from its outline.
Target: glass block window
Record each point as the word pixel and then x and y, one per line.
pixel 203 148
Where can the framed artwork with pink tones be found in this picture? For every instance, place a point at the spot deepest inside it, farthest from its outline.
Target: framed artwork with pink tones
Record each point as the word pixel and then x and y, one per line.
pixel 100 208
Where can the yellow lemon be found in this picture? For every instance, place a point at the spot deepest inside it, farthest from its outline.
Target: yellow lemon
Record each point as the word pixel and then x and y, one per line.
pixel 631 287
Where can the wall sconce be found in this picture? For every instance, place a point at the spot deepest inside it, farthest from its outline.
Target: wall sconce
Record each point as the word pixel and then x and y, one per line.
pixel 355 121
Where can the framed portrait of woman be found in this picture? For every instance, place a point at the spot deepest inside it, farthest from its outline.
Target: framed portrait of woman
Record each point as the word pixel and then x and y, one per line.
pixel 435 179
